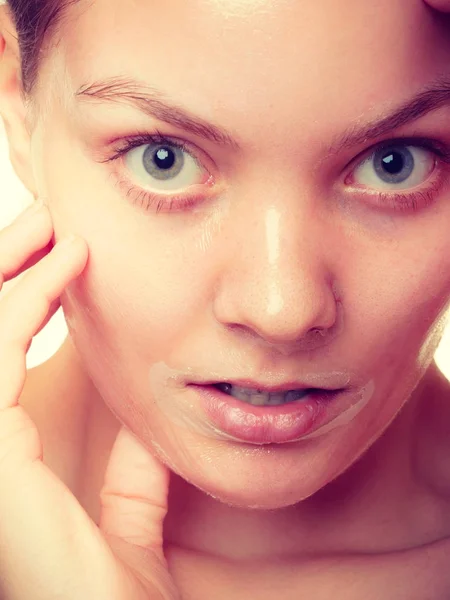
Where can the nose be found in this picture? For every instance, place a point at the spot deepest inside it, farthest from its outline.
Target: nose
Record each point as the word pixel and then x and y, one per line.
pixel 275 284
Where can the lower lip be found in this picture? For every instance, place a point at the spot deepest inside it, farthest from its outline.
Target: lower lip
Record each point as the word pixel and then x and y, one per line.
pixel 265 424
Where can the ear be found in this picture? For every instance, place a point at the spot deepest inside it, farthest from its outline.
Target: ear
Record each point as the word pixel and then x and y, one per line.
pixel 12 105
pixel 440 5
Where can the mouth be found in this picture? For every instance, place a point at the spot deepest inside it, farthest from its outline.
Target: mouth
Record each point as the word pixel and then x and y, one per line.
pixel 261 397
pixel 266 408
pixel 247 415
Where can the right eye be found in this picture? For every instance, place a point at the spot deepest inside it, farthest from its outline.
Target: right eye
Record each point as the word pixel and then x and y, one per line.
pixel 163 166
pixel 395 167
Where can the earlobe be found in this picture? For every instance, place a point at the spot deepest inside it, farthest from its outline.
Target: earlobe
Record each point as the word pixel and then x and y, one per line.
pixel 12 107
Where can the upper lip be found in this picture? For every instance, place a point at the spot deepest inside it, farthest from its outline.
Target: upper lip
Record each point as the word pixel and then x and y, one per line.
pixel 280 386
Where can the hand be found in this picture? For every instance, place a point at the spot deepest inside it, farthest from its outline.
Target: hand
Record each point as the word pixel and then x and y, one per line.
pixel 49 547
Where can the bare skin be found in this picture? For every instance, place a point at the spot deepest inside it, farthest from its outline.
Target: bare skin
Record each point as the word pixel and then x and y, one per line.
pixel 294 236
pixel 369 537
pixel 43 523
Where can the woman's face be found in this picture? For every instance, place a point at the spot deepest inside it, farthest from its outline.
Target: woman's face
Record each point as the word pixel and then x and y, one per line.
pixel 219 259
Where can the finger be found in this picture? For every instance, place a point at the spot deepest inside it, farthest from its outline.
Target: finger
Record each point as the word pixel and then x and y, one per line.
pixel 37 512
pixel 22 246
pixel 54 307
pixel 26 306
pixel 24 242
pixel 440 5
pixel 134 494
pixel 134 501
pixel 49 547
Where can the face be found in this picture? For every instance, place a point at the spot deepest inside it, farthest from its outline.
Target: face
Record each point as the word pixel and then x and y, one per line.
pixel 219 259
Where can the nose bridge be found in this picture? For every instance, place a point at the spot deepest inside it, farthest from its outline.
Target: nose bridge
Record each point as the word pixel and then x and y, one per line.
pixel 270 254
pixel 275 279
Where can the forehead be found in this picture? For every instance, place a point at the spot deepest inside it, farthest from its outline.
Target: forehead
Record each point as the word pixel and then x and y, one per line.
pixel 263 61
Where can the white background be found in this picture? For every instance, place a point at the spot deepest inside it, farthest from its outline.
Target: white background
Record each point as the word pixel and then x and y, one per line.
pixel 14 198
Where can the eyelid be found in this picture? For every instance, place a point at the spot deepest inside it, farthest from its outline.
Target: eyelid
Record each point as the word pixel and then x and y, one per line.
pixel 141 137
pixel 407 199
pixel 439 148
pixel 163 200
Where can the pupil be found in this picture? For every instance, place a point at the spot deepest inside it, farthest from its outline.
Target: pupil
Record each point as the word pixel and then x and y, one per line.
pixel 164 158
pixel 163 162
pixel 393 163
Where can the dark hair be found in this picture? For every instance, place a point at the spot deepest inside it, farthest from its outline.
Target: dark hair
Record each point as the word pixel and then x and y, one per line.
pixel 37 23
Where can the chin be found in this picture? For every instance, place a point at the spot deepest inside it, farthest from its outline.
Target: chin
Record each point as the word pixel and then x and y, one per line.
pixel 237 488
pixel 245 497
pixel 266 477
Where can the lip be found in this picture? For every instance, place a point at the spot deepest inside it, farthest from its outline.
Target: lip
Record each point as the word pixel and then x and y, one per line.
pixel 265 424
pixel 273 387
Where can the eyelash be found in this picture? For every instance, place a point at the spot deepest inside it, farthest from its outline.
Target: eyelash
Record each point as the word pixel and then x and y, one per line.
pixel 413 200
pixel 408 202
pixel 397 201
pixel 149 200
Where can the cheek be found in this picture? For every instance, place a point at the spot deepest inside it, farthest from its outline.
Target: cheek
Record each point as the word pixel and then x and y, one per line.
pixel 144 304
pixel 401 309
pixel 130 309
pixel 126 312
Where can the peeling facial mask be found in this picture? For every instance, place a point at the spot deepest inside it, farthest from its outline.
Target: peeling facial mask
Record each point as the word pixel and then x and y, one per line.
pixel 181 403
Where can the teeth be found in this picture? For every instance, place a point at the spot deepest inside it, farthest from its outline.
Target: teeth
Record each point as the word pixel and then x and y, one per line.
pixel 259 398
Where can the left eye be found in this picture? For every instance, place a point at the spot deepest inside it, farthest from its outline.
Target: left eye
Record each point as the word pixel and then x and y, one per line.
pixel 395 167
pixel 169 166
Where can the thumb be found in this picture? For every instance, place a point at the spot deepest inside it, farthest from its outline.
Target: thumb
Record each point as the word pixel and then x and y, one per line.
pixel 134 501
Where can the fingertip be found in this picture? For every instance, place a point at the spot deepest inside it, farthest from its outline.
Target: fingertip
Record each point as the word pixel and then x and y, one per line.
pixel 72 240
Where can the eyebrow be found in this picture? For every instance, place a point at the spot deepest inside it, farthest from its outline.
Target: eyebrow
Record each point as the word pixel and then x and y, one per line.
pixel 156 104
pixel 430 98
